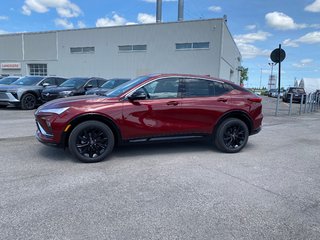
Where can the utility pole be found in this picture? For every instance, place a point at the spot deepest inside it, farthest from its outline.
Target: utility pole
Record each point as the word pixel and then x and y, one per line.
pixel 272 64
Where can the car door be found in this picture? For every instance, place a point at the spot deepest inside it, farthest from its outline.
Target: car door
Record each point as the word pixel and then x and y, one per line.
pixel 158 114
pixel 203 102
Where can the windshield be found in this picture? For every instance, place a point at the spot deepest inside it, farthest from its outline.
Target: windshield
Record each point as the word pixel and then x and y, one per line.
pixel 28 81
pixel 8 80
pixel 108 84
pixel 297 90
pixel 112 83
pixel 74 82
pixel 126 86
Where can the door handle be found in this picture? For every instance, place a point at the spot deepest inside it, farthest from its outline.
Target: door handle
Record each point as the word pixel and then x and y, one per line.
pixel 172 103
pixel 222 100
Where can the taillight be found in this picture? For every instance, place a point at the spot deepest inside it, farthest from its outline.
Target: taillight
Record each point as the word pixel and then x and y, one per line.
pixel 255 99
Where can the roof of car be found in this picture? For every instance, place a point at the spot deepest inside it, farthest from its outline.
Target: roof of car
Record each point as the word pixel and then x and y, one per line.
pixel 187 75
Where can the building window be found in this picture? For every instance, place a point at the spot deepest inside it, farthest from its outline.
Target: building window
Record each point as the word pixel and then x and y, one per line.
pixel 82 50
pixel 38 69
pixel 192 46
pixel 132 48
pixel 180 46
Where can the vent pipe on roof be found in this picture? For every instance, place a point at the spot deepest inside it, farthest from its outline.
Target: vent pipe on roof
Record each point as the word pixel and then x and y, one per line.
pixel 159 11
pixel 180 10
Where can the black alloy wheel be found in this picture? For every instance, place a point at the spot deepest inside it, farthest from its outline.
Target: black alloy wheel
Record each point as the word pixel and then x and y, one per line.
pixel 28 101
pixel 232 135
pixel 91 141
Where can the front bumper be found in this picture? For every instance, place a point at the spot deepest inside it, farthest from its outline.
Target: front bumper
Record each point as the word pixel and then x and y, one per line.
pixel 41 138
pixel 6 98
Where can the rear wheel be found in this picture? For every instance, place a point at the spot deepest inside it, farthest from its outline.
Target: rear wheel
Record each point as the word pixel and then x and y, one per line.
pixel 91 141
pixel 232 135
pixel 28 101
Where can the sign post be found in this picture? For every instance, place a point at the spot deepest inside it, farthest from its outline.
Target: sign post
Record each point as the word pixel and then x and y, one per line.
pixel 277 56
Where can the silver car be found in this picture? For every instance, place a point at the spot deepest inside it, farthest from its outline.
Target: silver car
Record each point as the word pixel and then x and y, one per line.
pixel 26 91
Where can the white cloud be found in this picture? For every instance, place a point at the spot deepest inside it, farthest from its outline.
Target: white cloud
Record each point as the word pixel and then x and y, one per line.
pixel 146 18
pixel 290 43
pixel 4 18
pixel 251 27
pixel 251 51
pixel 215 9
pixel 281 21
pixel 116 20
pixel 244 43
pixel 314 7
pixel 303 63
pixel 64 8
pixel 309 38
pixel 81 24
pixel 252 37
pixel 63 23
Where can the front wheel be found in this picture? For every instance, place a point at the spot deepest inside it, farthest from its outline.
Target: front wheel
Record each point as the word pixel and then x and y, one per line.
pixel 28 101
pixel 231 136
pixel 91 141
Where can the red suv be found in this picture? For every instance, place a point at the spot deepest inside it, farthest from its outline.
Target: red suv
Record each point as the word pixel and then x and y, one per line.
pixel 155 107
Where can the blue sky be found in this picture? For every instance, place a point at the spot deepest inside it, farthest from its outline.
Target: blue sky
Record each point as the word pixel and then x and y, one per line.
pixel 258 26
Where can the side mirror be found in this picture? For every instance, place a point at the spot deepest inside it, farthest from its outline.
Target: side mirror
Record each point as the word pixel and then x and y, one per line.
pixel 46 84
pixel 139 95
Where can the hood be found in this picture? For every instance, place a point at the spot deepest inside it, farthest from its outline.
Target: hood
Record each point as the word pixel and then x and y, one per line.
pixel 84 101
pixel 18 87
pixel 58 89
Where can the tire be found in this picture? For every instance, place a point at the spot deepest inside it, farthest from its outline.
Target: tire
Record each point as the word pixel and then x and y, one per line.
pixel 28 101
pixel 91 141
pixel 231 135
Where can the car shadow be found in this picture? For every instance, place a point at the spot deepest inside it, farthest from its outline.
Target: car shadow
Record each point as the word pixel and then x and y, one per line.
pixel 133 150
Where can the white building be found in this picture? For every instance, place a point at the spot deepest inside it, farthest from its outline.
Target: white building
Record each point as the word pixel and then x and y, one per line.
pixel 204 47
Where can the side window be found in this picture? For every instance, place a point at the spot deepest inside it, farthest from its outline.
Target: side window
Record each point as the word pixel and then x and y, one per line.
pixel 219 89
pixel 92 83
pixel 163 88
pixel 198 88
pixel 50 80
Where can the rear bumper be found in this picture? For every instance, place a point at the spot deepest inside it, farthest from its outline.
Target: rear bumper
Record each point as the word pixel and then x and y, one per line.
pixel 255 131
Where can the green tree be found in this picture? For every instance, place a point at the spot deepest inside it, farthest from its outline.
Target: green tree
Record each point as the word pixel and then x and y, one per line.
pixel 244 75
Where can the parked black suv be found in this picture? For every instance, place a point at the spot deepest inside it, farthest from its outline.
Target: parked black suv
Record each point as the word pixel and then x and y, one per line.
pixel 26 91
pixel 107 86
pixel 296 92
pixel 72 87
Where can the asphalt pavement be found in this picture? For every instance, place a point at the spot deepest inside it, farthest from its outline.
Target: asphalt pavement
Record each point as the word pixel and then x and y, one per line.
pixel 270 190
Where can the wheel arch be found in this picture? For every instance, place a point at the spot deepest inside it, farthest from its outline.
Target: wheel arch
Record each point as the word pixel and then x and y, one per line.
pixel 243 116
pixel 87 117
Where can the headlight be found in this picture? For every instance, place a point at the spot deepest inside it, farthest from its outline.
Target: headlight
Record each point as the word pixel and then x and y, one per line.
pixel 53 110
pixel 14 93
pixel 66 93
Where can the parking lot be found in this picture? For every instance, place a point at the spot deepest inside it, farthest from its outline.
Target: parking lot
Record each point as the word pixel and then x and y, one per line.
pixel 270 190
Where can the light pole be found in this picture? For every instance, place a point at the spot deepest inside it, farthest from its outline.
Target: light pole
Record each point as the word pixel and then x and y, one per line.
pixel 271 76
